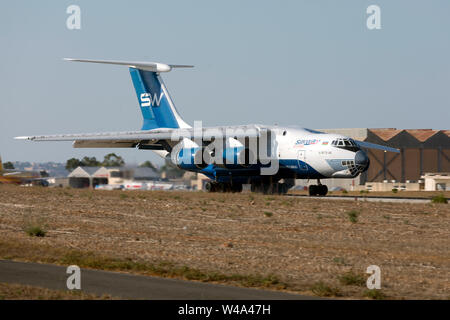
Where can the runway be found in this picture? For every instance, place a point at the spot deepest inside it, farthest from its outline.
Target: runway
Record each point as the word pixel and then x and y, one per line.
pixel 130 286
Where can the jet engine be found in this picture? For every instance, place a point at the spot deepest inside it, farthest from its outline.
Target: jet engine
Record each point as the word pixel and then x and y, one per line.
pixel 236 155
pixel 188 155
pixel 239 157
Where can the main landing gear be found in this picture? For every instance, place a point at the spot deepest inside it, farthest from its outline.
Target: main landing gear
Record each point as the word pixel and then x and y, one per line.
pixel 259 187
pixel 318 190
pixel 270 188
pixel 213 186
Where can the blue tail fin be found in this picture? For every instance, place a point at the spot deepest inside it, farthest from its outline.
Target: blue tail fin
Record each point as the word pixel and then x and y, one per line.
pixel 158 109
pixel 156 105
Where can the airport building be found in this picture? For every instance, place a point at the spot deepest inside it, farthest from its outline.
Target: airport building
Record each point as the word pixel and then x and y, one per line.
pixel 424 154
pixel 86 177
pixel 436 181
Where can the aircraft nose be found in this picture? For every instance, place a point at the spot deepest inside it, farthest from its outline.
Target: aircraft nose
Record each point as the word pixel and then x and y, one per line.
pixel 362 160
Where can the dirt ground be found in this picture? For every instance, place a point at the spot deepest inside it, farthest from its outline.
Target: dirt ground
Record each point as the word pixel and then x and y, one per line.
pixel 369 194
pixel 300 240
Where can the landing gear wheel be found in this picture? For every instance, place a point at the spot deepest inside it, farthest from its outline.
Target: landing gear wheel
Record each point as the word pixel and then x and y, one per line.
pixel 312 190
pixel 220 187
pixel 227 187
pixel 210 187
pixel 223 187
pixel 270 188
pixel 256 187
pixel 267 188
pixel 237 187
pixel 323 190
pixel 283 188
pixel 318 190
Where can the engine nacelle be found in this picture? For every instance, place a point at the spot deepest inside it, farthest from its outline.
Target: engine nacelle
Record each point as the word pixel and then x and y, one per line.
pixel 188 155
pixel 190 159
pixel 238 157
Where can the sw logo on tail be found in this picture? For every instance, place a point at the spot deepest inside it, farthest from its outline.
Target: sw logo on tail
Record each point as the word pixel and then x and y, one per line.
pixel 147 100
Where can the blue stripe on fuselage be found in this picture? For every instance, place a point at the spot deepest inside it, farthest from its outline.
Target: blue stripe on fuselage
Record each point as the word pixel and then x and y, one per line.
pixel 288 168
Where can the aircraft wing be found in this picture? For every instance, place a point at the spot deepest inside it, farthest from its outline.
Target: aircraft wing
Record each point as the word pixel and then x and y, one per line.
pixel 369 145
pixel 11 173
pixel 156 139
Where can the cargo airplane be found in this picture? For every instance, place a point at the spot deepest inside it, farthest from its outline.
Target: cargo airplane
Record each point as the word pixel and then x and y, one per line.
pixel 268 158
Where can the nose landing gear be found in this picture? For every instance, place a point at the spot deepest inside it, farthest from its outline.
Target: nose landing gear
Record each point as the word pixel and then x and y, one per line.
pixel 318 190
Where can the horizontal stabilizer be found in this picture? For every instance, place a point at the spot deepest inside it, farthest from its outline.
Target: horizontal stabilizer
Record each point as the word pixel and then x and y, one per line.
pixel 147 66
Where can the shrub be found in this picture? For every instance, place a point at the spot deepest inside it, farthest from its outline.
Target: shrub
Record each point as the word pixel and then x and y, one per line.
pixel 35 231
pixel 352 279
pixel 344 191
pixel 321 289
pixel 394 190
pixel 375 294
pixel 353 215
pixel 439 199
pixel 34 227
pixel 268 214
pixel 339 260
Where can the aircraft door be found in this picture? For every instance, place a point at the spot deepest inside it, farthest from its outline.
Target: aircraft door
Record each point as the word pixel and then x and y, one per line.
pixel 301 158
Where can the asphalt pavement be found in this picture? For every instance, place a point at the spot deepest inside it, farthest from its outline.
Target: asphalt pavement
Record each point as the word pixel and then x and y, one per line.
pixel 129 286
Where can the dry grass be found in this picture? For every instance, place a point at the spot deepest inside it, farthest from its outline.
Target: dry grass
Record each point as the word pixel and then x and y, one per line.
pixel 22 292
pixel 229 238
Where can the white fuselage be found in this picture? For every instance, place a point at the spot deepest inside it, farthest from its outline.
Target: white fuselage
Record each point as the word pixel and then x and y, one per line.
pixel 305 151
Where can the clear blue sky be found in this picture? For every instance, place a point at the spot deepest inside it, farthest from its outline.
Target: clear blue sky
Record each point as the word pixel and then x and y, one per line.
pixel 308 63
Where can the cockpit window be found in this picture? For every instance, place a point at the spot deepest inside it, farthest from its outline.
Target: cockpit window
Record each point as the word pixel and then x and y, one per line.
pixel 345 143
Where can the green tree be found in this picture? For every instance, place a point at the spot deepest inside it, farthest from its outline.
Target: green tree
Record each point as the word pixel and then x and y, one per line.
pixel 113 160
pixel 8 165
pixel 147 164
pixel 172 171
pixel 72 164
pixel 90 162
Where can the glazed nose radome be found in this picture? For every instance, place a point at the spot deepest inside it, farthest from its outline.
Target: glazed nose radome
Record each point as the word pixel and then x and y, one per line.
pixel 362 160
